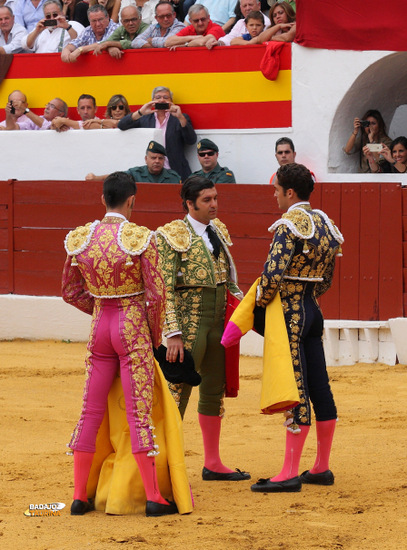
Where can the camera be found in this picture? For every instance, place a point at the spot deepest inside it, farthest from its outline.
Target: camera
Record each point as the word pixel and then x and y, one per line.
pixel 12 108
pixel 365 123
pixel 50 23
pixel 162 106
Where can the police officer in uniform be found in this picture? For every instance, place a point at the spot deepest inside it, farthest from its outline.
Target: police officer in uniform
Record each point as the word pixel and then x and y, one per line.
pixel 208 153
pixel 153 171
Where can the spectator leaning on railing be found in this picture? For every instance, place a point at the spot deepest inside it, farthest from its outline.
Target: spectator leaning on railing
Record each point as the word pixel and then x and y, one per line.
pixel 122 37
pixel 157 33
pixel 222 12
pixel 46 38
pixel 246 6
pixel 201 32
pixel 11 33
pixel 86 110
pixel 100 28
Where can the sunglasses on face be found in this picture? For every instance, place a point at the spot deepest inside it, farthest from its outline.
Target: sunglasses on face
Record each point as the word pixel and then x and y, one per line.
pixel 51 16
pixel 206 154
pixel 199 20
pixel 114 107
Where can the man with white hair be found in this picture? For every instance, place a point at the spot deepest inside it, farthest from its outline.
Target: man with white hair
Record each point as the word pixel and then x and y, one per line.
pixel 52 33
pixel 11 33
pixel 201 32
pixel 246 6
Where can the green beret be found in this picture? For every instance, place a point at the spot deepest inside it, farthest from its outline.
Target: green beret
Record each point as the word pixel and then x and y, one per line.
pixel 155 147
pixel 205 144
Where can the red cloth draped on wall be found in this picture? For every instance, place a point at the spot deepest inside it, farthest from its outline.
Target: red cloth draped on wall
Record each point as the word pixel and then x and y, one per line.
pixel 352 24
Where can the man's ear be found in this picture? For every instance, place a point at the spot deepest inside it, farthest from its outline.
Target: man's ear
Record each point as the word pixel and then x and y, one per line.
pixel 102 198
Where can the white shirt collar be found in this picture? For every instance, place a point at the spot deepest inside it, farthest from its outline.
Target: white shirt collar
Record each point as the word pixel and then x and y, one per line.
pixel 115 215
pixel 197 226
pixel 300 203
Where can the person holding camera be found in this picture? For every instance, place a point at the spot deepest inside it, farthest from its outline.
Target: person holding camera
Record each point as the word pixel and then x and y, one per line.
pixel 52 33
pixel 16 111
pixel 372 131
pixel 395 157
pixel 163 114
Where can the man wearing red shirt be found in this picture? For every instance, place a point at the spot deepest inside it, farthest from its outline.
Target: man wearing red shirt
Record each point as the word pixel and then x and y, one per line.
pixel 201 32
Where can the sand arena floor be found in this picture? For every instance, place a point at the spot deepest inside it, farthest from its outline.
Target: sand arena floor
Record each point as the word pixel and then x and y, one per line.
pixel 41 388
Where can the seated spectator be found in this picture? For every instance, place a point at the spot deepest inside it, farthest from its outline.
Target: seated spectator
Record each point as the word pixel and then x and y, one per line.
pixel 271 3
pixel 16 110
pixel 372 130
pixel 246 6
pixel 100 28
pixel 152 172
pixel 395 157
pixel 11 33
pixel 56 107
pixel 282 28
pixel 28 13
pixel 222 12
pixel 201 32
pixel 208 153
pixel 51 39
pixel 116 109
pixel 254 24
pixel 162 113
pixel 86 110
pixel 121 39
pixel 156 34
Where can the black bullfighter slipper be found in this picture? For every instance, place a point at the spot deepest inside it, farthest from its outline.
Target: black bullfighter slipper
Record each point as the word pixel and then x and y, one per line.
pixel 156 509
pixel 238 475
pixel 80 507
pixel 322 478
pixel 292 485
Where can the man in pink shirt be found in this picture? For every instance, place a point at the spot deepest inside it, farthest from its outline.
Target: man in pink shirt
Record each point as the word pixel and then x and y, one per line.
pixel 201 32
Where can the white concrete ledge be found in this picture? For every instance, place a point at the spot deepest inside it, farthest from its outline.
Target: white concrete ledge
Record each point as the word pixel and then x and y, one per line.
pixel 346 342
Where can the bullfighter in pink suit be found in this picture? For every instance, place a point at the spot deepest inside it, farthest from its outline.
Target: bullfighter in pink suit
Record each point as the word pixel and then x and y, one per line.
pixel 112 272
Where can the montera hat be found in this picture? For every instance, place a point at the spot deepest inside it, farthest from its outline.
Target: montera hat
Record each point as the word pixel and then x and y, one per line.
pixel 205 144
pixel 155 147
pixel 178 373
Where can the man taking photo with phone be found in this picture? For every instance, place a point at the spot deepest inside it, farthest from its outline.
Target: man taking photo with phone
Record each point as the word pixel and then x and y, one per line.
pixel 163 114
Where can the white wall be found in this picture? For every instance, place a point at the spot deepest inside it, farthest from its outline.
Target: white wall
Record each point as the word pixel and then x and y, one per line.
pixel 329 88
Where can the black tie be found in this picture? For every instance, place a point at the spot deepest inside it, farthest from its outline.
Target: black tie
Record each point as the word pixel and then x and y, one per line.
pixel 215 241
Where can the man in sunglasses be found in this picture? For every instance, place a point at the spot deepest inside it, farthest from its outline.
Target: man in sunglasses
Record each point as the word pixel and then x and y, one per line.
pixel 201 32
pixel 52 33
pixel 208 153
pixel 121 39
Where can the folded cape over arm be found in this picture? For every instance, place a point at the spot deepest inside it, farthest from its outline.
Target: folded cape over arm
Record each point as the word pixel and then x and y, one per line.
pixel 279 390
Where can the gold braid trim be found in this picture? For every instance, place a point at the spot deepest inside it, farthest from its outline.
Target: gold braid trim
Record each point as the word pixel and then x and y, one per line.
pixel 78 239
pixel 299 221
pixel 177 234
pixel 223 231
pixel 133 239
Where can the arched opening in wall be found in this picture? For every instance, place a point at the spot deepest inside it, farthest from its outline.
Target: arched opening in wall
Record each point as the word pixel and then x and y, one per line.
pixel 382 86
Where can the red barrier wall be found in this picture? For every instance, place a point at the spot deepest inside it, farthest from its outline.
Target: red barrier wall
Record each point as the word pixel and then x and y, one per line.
pixel 370 281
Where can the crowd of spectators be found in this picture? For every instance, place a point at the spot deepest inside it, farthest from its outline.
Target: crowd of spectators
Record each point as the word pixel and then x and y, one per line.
pixel 77 27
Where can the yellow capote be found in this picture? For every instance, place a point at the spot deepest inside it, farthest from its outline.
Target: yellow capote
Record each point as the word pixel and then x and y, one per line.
pixel 114 479
pixel 279 389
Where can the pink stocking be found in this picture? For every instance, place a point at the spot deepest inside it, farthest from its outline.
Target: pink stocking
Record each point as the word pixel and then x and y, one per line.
pixel 210 428
pixel 148 472
pixel 82 463
pixel 294 444
pixel 325 434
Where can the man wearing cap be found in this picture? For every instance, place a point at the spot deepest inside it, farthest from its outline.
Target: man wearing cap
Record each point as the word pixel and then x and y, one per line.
pixel 152 172
pixel 198 270
pixel 208 153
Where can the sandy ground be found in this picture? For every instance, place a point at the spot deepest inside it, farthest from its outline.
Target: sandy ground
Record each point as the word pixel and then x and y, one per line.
pixel 41 388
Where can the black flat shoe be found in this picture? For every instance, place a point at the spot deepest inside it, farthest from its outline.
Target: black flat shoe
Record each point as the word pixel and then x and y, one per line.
pixel 156 509
pixel 323 478
pixel 292 485
pixel 79 507
pixel 238 475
